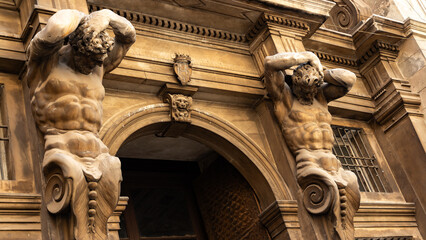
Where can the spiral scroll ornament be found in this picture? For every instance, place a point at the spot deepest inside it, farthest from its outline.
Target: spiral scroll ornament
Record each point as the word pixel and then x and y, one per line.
pixel 344 17
pixel 57 193
pixel 318 197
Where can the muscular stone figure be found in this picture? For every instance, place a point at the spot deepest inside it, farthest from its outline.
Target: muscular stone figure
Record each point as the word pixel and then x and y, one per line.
pixel 67 61
pixel 300 104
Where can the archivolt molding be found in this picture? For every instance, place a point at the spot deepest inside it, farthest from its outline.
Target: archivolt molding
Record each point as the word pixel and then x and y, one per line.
pixel 118 128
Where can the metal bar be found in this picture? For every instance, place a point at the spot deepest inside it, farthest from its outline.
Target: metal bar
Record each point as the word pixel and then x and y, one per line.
pixel 369 174
pixel 373 162
pixel 362 141
pixel 354 170
pixel 362 180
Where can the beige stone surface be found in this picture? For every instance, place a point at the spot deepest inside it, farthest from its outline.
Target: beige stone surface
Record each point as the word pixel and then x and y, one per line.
pixel 231 112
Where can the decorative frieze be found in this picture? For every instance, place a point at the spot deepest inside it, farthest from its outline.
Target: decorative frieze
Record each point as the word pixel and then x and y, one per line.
pixel 385 49
pixel 336 59
pixel 142 18
pixel 266 19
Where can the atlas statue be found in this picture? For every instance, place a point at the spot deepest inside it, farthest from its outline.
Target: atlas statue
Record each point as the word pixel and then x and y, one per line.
pixel 330 193
pixel 67 60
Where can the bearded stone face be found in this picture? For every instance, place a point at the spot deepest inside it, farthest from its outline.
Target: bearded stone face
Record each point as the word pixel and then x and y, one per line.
pixel 305 83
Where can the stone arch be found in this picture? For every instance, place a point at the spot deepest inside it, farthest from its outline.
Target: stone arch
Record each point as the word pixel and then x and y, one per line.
pixel 212 131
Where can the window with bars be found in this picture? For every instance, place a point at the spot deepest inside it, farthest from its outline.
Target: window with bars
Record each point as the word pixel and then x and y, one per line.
pixel 4 138
pixel 352 149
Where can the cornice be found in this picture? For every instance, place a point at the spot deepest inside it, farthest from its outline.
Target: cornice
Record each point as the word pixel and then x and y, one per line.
pixel 385 49
pixel 377 28
pixel 317 7
pixel 335 59
pixel 384 215
pixel 165 23
pixel 270 19
pixel 18 202
pixel 412 26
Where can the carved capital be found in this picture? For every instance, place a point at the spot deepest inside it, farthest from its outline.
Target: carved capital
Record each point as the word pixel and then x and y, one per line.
pixel 380 49
pixel 180 107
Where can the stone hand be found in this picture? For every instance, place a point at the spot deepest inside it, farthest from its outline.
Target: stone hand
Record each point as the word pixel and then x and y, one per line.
pixel 98 21
pixel 315 62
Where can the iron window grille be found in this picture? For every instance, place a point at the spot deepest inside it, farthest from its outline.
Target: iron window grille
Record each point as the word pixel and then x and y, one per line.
pixel 353 151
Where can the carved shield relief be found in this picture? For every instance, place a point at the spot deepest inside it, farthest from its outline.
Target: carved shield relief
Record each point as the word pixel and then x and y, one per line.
pixel 183 68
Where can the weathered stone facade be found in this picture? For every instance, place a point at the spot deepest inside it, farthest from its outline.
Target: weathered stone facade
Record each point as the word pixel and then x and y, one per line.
pixel 191 88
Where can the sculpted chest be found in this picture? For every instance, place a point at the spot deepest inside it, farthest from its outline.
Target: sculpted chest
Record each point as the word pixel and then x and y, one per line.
pixel 64 81
pixel 315 113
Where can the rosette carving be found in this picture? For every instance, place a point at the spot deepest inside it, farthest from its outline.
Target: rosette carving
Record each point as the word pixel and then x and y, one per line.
pixel 57 192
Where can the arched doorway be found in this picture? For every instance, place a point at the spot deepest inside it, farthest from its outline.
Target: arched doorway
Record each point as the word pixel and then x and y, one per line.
pixel 217 134
pixel 179 188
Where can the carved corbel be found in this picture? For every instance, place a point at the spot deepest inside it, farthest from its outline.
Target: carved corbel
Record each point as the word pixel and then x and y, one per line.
pixel 180 114
pixel 180 107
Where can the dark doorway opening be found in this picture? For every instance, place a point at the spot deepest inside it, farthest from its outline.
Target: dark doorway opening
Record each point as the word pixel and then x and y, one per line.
pixel 184 190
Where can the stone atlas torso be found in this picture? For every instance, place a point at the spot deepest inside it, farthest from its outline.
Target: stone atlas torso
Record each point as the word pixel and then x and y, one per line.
pixel 68 100
pixel 69 103
pixel 308 127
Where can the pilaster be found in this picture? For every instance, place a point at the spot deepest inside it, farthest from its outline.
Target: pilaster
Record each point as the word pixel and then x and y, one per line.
pixel 397 106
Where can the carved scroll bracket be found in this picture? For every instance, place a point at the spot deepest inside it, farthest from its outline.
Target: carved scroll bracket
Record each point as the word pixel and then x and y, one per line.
pixel 348 14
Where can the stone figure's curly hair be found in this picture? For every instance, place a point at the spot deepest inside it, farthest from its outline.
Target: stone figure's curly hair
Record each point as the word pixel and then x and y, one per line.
pixel 306 70
pixel 81 40
pixel 303 92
